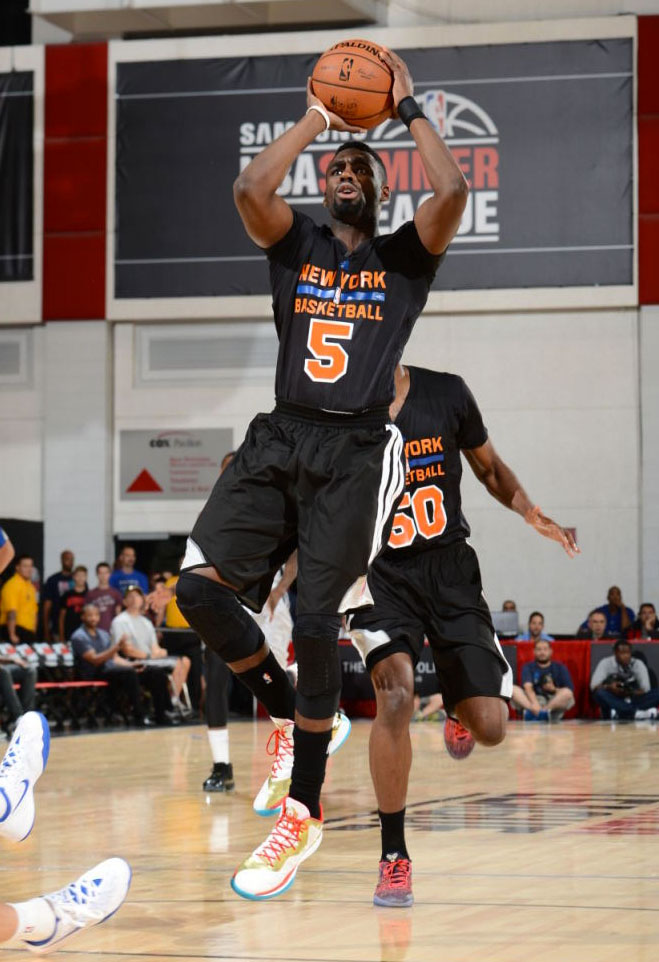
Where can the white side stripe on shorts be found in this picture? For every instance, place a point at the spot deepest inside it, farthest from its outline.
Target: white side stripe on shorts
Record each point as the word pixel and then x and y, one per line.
pixel 391 485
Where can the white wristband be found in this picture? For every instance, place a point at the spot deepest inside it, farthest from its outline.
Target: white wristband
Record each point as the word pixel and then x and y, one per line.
pixel 323 113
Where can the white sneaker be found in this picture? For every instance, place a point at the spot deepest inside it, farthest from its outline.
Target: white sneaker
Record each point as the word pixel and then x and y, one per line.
pixel 340 731
pixel 91 899
pixel 276 786
pixel 24 761
pixel 271 868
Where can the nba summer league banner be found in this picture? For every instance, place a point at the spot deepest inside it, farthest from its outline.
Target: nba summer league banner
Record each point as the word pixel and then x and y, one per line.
pixel 543 131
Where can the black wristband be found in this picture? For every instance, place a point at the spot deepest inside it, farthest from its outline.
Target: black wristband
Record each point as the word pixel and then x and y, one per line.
pixel 408 110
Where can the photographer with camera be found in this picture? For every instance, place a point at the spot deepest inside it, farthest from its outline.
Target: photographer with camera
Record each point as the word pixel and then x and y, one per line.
pixel 547 690
pixel 621 685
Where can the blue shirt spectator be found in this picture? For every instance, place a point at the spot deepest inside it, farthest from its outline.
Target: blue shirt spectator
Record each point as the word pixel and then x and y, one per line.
pixel 618 616
pixel 535 631
pixel 537 673
pixel 125 574
pixel 85 639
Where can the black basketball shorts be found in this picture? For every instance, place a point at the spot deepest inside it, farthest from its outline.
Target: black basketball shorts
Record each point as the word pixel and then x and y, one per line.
pixel 435 594
pixel 328 487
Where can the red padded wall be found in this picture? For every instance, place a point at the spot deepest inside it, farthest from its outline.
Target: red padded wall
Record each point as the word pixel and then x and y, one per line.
pixel 648 159
pixel 75 179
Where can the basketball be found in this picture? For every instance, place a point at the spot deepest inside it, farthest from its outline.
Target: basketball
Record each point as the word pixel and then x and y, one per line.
pixel 353 82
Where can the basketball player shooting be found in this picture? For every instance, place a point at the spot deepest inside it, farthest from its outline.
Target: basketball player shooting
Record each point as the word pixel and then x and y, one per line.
pixel 323 472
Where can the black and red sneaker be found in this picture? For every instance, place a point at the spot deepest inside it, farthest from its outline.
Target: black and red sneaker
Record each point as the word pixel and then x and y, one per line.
pixel 394 888
pixel 459 742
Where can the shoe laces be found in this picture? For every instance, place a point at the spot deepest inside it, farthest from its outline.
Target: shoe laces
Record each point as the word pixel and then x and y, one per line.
pixel 396 874
pixel 282 750
pixel 10 759
pixel 81 894
pixel 459 732
pixel 285 835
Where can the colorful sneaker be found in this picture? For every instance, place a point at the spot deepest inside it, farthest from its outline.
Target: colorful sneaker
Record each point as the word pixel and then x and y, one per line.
pixel 340 731
pixel 459 742
pixel 271 868
pixel 276 786
pixel 394 888
pixel 90 900
pixel 22 765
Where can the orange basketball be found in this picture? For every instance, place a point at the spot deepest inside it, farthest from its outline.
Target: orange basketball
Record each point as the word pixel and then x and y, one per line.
pixel 354 83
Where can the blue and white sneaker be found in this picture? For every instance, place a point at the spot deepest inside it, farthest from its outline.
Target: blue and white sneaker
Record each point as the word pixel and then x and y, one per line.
pixel 90 900
pixel 24 761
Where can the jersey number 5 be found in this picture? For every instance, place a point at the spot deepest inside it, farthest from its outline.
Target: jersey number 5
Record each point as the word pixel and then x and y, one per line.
pixel 330 360
pixel 427 516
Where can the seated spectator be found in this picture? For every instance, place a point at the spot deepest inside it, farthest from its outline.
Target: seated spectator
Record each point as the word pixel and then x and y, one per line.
pixel 97 658
pixel 56 586
pixel 14 670
pixel 621 685
pixel 547 690
pixel 618 616
pixel 595 628
pixel 535 630
pixel 646 626
pixel 18 605
pixel 509 605
pixel 125 574
pixel 71 604
pixel 106 598
pixel 140 641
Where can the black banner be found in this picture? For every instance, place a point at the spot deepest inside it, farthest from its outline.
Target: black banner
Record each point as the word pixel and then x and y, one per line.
pixel 543 131
pixel 16 176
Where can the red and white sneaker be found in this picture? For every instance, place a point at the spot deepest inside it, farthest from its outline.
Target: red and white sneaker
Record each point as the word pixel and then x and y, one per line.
pixel 275 788
pixel 272 867
pixel 394 888
pixel 459 742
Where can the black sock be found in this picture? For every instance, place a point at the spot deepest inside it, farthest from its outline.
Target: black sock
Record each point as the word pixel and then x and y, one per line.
pixel 309 767
pixel 392 827
pixel 270 684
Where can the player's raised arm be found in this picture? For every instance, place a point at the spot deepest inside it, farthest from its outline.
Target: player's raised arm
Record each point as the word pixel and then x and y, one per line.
pixel 438 217
pixel 503 484
pixel 266 216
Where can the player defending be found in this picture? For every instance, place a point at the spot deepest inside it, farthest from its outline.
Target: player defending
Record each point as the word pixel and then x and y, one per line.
pixel 427 583
pixel 323 472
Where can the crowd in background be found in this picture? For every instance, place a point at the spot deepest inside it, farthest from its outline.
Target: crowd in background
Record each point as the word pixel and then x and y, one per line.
pixel 113 628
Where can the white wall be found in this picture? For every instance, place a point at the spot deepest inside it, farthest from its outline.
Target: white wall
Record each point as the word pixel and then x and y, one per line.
pixel 559 393
pixel 649 365
pixel 76 441
pixel 229 403
pixel 21 429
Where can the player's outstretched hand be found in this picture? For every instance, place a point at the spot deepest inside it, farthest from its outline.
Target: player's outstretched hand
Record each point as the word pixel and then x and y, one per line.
pixel 549 529
pixel 403 83
pixel 336 122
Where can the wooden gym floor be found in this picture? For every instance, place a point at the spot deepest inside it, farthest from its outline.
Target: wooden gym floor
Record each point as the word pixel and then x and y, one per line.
pixel 546 848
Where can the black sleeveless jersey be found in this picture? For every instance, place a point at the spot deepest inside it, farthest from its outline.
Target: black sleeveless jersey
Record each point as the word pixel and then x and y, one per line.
pixel 343 319
pixel 439 418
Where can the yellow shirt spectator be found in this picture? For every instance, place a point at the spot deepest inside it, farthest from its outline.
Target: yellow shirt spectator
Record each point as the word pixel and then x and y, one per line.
pixel 20 596
pixel 173 616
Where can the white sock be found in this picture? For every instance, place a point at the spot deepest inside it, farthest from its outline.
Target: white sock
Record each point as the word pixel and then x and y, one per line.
pixel 218 739
pixel 36 920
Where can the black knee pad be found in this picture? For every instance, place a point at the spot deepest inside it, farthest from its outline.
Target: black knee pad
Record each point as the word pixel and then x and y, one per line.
pixel 315 638
pixel 218 617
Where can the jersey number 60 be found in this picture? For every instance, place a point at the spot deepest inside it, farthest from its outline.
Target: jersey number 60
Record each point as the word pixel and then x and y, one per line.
pixel 330 360
pixel 428 517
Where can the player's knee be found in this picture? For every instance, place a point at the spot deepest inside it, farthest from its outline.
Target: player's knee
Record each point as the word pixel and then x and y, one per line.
pixel 393 682
pixel 319 670
pixel 485 718
pixel 218 618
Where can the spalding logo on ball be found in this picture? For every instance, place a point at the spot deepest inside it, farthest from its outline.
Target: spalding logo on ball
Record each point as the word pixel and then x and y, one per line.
pixel 353 82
